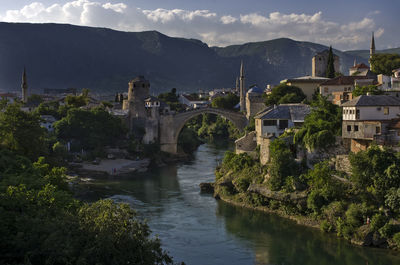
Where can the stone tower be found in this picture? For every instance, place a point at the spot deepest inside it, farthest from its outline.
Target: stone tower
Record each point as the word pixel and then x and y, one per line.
pixel 242 89
pixel 138 91
pixel 372 48
pixel 320 61
pixel 24 87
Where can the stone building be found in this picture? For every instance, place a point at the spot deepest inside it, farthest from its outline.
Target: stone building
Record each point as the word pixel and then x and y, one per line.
pixel 369 118
pixel 320 61
pixel 254 101
pixel 308 84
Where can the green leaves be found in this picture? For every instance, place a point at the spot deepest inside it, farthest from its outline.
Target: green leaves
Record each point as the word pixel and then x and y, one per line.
pixel 283 94
pixel 385 63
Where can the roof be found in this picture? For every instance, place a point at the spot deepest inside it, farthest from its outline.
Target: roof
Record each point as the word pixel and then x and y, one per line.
pixel 255 89
pixel 306 79
pixel 360 66
pixel 342 80
pixel 151 99
pixel 294 112
pixel 372 100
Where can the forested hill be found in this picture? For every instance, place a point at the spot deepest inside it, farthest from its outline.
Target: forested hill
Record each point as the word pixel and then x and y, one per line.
pixel 104 60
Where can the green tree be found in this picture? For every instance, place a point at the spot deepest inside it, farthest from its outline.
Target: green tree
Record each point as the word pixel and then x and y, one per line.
pixel 330 66
pixel 320 126
pixel 226 102
pixel 283 93
pixel 385 63
pixel 282 164
pixel 172 99
pixel 35 99
pixel 21 132
pixel 371 89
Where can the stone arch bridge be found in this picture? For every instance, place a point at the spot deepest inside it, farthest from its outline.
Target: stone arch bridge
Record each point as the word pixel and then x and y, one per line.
pixel 171 125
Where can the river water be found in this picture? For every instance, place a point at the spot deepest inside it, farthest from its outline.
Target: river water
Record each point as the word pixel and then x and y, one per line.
pixel 197 229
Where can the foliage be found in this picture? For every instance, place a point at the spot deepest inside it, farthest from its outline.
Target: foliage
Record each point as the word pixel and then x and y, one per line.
pixel 228 101
pixel 21 132
pixel 330 66
pixel 172 99
pixel 324 188
pixel 326 226
pixel 283 93
pixel 188 140
pixel 282 164
pixel 237 162
pixel 378 221
pixel 385 63
pixel 392 199
pixel 41 223
pixel 374 172
pixel 49 108
pixel 78 101
pixel 35 99
pixel 396 239
pixel 320 126
pixel 355 215
pixel 371 89
pixel 91 128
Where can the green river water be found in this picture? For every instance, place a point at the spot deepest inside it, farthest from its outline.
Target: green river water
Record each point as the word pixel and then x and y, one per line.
pixel 198 229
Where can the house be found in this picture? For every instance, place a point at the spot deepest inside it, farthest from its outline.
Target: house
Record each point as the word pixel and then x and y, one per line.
pixel 273 121
pixel 361 69
pixel 343 84
pixel 47 122
pixel 192 103
pixel 254 101
pixel 308 84
pixel 10 97
pixel 367 118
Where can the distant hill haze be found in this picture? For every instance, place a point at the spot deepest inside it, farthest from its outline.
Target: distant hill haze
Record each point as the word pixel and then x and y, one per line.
pixel 104 60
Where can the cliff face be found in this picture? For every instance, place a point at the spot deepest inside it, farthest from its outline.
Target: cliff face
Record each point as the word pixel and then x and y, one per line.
pixel 104 60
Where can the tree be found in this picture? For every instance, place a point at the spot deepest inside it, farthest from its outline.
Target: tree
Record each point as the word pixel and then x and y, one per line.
pixel 225 102
pixel 371 89
pixel 93 128
pixel 283 93
pixel 35 99
pixel 320 126
pixel 172 99
pixel 282 164
pixel 385 63
pixel 330 66
pixel 21 132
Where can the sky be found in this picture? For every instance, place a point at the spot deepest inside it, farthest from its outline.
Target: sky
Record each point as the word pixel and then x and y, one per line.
pixel 344 24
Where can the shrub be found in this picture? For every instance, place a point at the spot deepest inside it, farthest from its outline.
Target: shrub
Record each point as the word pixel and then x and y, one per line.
pixel 387 230
pixel 326 226
pixel 396 239
pixel 355 215
pixel 378 221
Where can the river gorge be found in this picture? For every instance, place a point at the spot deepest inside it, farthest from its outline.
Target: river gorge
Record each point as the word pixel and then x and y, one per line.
pixel 197 229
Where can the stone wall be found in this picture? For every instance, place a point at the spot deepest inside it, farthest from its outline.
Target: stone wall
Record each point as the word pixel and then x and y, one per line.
pixel 264 149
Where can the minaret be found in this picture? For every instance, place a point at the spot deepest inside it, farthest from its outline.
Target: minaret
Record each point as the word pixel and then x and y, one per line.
pixel 372 48
pixel 237 85
pixel 355 63
pixel 242 89
pixel 24 87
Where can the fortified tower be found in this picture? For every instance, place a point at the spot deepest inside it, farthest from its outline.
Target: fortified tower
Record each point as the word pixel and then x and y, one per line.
pixel 24 87
pixel 319 62
pixel 138 91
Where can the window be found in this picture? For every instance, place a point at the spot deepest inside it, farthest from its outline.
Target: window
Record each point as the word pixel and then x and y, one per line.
pixel 269 122
pixel 357 114
pixel 386 110
pixel 378 129
pixel 326 90
pixel 349 128
pixel 356 128
pixel 283 124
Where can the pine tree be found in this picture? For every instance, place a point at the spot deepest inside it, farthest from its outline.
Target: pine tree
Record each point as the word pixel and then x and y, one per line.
pixel 330 67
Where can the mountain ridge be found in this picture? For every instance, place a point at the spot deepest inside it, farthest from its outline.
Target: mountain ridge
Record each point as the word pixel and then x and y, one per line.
pixel 104 60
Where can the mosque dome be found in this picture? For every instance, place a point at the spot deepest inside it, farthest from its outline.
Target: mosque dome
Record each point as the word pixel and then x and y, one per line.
pixel 255 89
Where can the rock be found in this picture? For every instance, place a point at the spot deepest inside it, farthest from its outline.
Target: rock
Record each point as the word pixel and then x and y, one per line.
pixel 206 187
pixel 277 195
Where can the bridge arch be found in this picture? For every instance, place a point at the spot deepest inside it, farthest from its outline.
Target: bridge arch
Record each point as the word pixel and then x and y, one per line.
pixel 171 125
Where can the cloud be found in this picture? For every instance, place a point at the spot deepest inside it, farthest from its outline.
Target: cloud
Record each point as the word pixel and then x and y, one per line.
pixel 208 26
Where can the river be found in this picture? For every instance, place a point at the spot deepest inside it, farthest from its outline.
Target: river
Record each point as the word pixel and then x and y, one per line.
pixel 198 229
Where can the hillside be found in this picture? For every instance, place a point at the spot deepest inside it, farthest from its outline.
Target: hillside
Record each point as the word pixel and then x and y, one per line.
pixel 104 60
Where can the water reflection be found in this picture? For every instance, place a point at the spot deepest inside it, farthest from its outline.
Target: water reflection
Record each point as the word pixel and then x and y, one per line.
pixel 198 229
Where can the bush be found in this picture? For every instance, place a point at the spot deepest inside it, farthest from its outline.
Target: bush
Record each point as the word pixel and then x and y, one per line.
pixel 355 215
pixel 396 239
pixel 315 201
pixel 378 221
pixel 388 230
pixel 326 226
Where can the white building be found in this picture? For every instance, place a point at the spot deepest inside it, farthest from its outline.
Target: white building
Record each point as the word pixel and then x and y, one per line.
pixel 48 122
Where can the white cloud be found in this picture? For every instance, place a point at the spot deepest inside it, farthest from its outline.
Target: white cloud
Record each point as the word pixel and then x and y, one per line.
pixel 212 28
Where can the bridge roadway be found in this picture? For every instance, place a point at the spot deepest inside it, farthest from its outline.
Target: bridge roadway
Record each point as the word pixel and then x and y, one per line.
pixel 172 124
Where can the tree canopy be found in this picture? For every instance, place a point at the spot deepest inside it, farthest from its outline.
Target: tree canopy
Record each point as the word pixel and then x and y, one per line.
pixel 225 102
pixel 283 93
pixel 371 89
pixel 330 65
pixel 320 126
pixel 385 63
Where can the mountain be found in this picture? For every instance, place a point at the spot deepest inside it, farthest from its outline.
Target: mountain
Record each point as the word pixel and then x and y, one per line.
pixel 104 60
pixel 364 54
